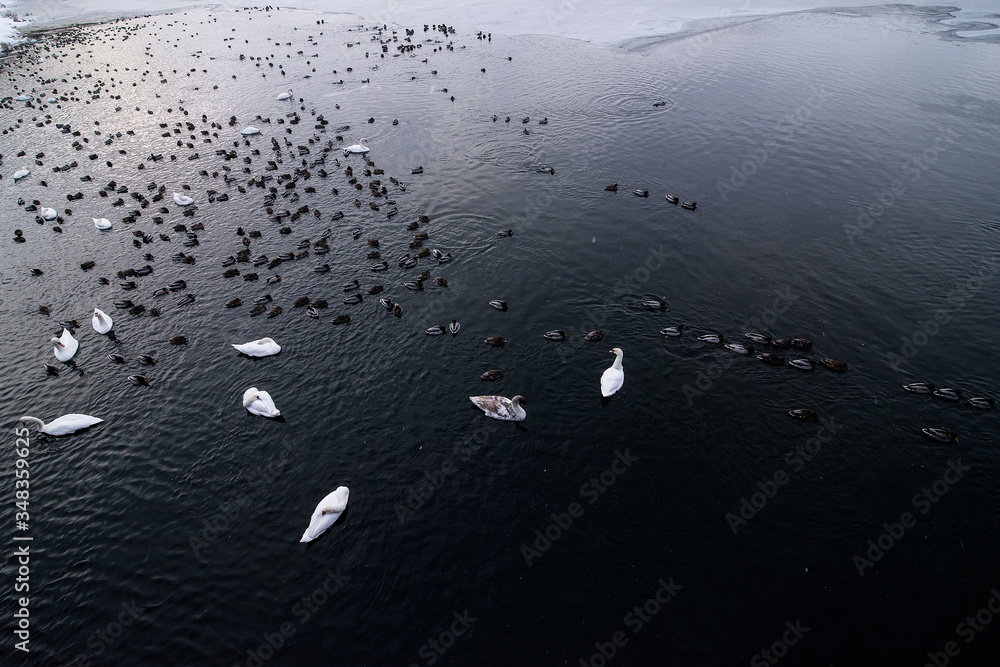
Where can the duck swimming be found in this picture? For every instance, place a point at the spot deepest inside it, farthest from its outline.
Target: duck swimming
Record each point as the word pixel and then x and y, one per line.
pixel 435 330
pixel 454 327
pixel 66 346
pixel 802 364
pixel 262 347
pixel 497 304
pixel 260 403
pixel 738 348
pixel 491 375
pixel 63 425
pixel 770 358
pixel 940 435
pixel 326 513
pixel 982 403
pixel 833 364
pixel 614 377
pixel 495 341
pixel 804 414
pixel 499 407
pixel 948 394
pixel 710 338
pixel 555 334
pixel 101 321
pixel 919 387
pixel 595 335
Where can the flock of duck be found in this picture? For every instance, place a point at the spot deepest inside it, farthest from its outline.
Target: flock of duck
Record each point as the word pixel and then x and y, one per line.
pixel 280 198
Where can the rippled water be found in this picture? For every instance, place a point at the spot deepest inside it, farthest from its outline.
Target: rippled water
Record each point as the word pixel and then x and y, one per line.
pixel 187 510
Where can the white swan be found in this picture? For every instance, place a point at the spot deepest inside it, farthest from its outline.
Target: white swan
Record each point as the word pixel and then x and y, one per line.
pixel 66 346
pixel 263 347
pixel 22 98
pixel 614 377
pixel 361 147
pixel 102 321
pixel 21 173
pixel 102 223
pixel 182 200
pixel 48 213
pixel 499 407
pixel 326 513
pixel 64 425
pixel 250 129
pixel 260 403
pixel 52 100
pixel 286 96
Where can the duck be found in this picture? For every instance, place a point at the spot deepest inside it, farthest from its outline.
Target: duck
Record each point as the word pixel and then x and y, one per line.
pixel 641 193
pixel 595 335
pixel 833 364
pixel 653 304
pixel 555 334
pixel 138 380
pixel 982 403
pixel 673 199
pixel 611 188
pixel 738 348
pixel 948 394
pixel 689 205
pixel 500 305
pixel 326 513
pixel 499 407
pixel 102 223
pixel 803 414
pixel 614 377
pixel 672 332
pixel 454 327
pixel 146 359
pixel 340 319
pixel 66 346
pixel 491 375
pixel 920 387
pixel 435 330
pixel 63 425
pixel 182 200
pixel 285 96
pixel 710 338
pixel 495 341
pixel 771 358
pixel 262 347
pixel 940 435
pixel 360 147
pixel 102 321
pixel 760 339
pixel 802 364
pixel 260 403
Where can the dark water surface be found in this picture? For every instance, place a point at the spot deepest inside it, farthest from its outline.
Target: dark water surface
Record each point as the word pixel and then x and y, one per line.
pixel 844 166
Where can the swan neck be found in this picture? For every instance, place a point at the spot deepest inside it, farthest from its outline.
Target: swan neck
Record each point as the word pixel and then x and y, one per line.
pixel 34 420
pixel 248 400
pixel 618 360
